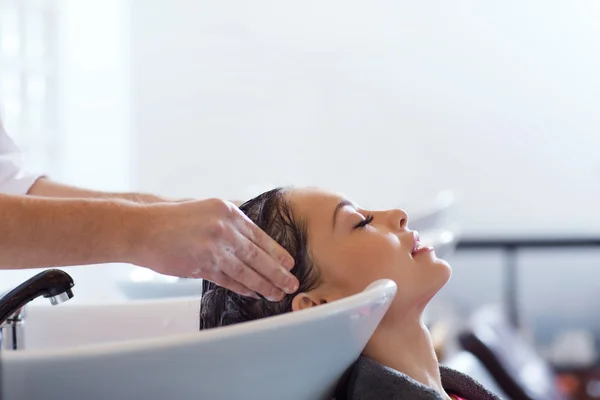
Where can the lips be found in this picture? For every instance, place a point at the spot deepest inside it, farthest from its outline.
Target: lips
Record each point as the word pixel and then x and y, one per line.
pixel 418 248
pixel 416 242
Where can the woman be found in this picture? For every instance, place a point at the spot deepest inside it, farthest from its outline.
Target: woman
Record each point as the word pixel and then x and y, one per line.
pixel 339 249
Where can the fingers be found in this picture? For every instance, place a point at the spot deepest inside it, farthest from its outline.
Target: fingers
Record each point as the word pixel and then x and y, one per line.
pixel 266 243
pixel 248 256
pixel 257 259
pixel 223 280
pixel 248 277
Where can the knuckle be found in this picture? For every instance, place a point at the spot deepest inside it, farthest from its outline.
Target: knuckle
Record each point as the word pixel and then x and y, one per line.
pixel 220 207
pixel 217 228
pixel 235 269
pixel 252 253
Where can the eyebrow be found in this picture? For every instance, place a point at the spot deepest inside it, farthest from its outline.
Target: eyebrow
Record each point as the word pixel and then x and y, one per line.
pixel 338 207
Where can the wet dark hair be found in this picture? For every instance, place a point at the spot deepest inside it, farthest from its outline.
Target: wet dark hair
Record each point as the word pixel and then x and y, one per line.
pixel 273 214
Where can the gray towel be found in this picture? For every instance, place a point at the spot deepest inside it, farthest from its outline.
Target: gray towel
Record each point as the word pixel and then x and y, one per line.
pixel 368 380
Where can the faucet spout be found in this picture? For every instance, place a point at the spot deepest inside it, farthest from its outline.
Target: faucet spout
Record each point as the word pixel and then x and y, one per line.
pixel 53 284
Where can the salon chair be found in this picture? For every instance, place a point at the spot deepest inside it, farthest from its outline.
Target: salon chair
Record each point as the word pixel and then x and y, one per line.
pixel 516 367
pixel 295 356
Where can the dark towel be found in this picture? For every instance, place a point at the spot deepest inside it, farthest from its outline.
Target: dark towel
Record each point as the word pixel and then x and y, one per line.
pixel 368 380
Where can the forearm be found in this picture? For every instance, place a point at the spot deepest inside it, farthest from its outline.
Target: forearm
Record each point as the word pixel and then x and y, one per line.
pixel 46 188
pixel 40 232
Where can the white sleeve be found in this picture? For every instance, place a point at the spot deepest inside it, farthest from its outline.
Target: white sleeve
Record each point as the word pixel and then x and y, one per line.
pixel 13 178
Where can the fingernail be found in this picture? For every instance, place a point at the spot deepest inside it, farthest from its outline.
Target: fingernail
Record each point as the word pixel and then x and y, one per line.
pixel 289 282
pixel 288 262
pixel 275 297
pixel 292 286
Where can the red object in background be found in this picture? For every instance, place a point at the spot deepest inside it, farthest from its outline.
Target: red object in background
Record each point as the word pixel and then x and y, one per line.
pixel 568 384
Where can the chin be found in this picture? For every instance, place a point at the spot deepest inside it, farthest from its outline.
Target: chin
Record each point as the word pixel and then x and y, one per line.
pixel 445 268
pixel 435 274
pixel 440 274
pixel 436 267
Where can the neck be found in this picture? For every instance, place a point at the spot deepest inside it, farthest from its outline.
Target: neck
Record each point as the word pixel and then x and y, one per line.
pixel 406 346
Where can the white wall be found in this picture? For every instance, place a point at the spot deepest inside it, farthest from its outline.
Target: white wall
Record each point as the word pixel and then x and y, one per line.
pixel 94 105
pixel 383 100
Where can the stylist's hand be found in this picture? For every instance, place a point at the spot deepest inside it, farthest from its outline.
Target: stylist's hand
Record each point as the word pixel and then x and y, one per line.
pixel 212 239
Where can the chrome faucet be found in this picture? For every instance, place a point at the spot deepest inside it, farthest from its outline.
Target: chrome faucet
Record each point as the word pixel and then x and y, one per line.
pixel 53 284
pixel 12 332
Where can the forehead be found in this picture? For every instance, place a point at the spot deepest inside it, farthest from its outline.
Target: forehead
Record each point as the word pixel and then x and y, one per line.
pixel 314 205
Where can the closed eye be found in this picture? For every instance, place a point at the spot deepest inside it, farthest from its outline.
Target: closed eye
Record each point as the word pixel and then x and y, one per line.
pixel 364 222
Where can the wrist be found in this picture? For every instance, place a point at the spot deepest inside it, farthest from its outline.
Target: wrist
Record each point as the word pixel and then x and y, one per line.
pixel 142 225
pixel 134 230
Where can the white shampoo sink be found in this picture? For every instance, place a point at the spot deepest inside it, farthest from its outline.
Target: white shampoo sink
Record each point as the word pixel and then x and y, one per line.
pixel 76 325
pixel 142 350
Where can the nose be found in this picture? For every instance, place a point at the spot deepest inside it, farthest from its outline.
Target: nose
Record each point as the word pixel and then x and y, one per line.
pixel 398 219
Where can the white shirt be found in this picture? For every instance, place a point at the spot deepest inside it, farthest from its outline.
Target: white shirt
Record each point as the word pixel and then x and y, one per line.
pixel 13 177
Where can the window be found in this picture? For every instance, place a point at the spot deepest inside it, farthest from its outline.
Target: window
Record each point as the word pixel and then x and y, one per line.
pixel 28 78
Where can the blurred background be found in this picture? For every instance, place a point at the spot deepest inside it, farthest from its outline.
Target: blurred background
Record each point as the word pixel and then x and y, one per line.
pixel 390 102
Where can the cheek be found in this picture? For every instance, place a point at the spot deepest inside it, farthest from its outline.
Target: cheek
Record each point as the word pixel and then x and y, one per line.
pixel 380 253
pixel 360 263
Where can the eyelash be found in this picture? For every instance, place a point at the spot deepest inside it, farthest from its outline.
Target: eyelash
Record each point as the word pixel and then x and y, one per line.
pixel 364 222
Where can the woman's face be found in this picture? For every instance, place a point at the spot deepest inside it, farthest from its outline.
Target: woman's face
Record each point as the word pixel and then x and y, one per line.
pixel 352 247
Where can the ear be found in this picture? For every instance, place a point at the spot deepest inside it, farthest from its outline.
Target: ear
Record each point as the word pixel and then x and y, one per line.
pixel 306 300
